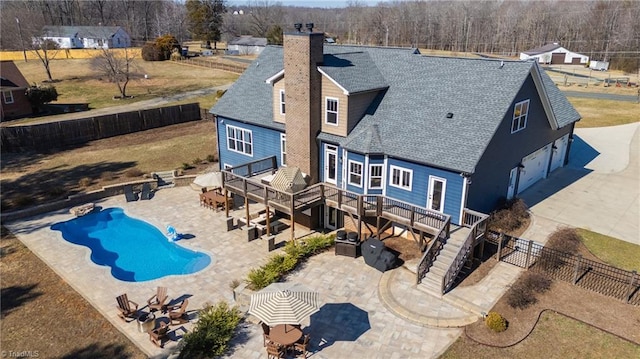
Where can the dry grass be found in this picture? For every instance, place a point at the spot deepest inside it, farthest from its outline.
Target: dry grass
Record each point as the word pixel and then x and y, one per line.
pixel 613 251
pixel 42 313
pixel 78 83
pixel 602 113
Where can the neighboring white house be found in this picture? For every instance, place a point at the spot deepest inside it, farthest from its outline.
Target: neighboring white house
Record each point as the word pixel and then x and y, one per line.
pixel 247 45
pixel 88 37
pixel 554 54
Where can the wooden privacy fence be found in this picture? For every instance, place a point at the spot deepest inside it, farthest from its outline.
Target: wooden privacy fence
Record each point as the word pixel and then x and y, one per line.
pixel 575 269
pixel 238 69
pixel 73 132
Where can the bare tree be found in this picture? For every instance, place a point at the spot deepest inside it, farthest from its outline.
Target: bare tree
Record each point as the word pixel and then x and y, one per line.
pixel 117 66
pixel 46 50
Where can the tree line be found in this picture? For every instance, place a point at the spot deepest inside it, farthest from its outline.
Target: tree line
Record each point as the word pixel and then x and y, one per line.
pixel 606 30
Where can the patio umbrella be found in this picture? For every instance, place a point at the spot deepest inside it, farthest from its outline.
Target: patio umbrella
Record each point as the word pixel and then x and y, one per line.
pixel 284 303
pixel 209 180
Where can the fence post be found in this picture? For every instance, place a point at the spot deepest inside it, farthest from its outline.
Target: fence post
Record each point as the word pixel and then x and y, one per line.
pixel 576 270
pixel 499 254
pixel 529 246
pixel 630 290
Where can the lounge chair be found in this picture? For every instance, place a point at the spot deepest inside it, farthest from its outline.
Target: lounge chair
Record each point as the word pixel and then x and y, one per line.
pixel 159 335
pixel 129 194
pixel 178 313
pixel 127 310
pixel 157 301
pixel 146 191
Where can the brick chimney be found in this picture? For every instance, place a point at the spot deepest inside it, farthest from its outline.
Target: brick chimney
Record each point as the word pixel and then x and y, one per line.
pixel 303 51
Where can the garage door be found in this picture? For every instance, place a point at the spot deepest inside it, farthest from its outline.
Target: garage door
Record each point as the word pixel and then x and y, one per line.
pixel 535 168
pixel 559 151
pixel 557 58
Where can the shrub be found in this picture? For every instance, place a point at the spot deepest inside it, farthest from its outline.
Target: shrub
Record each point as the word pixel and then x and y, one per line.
pixel 22 200
pixel 133 172
pixel 496 322
pixel 107 176
pixel 84 182
pixel 520 296
pixel 186 166
pixel 160 49
pixel 565 240
pixel 211 158
pixel 212 333
pixel 536 282
pixel 234 284
pixel 197 161
pixel 150 52
pixel 259 278
pixel 511 215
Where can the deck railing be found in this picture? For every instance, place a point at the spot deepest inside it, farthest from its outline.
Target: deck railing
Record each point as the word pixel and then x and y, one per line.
pixel 478 224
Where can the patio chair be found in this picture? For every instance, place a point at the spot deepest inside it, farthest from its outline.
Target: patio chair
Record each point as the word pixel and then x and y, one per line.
pixel 178 313
pixel 129 194
pixel 265 333
pixel 146 191
pixel 274 350
pixel 302 344
pixel 159 335
pixel 157 301
pixel 127 308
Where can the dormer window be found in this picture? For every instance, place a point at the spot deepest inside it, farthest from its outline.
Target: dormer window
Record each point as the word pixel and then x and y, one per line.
pixel 282 109
pixel 520 112
pixel 331 113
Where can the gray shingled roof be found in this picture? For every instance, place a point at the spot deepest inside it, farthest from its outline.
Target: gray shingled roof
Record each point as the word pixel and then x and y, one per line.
pixel 409 119
pixel 355 72
pixel 249 41
pixel 92 32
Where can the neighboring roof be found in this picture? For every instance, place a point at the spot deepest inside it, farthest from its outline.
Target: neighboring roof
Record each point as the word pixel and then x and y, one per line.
pixel 11 76
pixel 353 73
pixel 409 119
pixel 249 41
pixel 91 32
pixel 542 49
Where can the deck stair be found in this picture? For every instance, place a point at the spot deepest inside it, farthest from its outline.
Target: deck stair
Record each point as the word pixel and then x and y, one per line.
pixel 432 282
pixel 165 179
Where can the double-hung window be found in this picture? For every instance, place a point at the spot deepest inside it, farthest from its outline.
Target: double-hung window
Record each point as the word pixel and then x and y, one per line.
pixel 375 176
pixel 520 112
pixel 282 109
pixel 401 177
pixel 331 113
pixel 8 97
pixel 283 149
pixel 239 140
pixel 355 173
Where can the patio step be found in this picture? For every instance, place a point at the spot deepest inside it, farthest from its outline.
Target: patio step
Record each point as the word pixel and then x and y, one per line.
pixel 165 179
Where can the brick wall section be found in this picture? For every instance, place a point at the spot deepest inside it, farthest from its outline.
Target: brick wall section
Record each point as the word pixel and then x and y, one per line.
pixel 302 52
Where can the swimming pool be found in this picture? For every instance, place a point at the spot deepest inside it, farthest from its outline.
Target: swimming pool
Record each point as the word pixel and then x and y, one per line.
pixel 135 250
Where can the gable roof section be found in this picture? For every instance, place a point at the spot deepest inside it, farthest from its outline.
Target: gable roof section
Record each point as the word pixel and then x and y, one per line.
pixel 249 41
pixel 92 32
pixel 12 78
pixel 409 119
pixel 353 72
pixel 542 49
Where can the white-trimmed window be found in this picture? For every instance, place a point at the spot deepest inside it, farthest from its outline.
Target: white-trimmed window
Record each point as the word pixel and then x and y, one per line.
pixel 520 112
pixel 7 96
pixel 282 109
pixel 226 166
pixel 239 140
pixel 401 178
pixel 375 176
pixel 355 173
pixel 331 113
pixel 283 149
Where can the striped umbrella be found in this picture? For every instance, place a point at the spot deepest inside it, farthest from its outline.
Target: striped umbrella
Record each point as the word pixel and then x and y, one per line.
pixel 284 303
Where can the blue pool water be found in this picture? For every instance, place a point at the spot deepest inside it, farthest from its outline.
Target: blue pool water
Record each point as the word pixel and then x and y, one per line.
pixel 135 250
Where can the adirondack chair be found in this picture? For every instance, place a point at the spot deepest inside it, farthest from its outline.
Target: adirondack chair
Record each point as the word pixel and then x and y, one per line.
pixel 157 301
pixel 178 313
pixel 127 308
pixel 159 335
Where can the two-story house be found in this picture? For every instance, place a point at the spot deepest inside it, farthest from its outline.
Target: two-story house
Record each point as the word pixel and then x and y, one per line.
pixel 440 133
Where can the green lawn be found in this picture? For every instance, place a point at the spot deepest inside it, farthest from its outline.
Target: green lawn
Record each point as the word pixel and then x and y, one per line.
pixel 613 251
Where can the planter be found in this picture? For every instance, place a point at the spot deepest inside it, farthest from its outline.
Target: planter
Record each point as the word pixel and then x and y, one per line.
pixel 146 322
pixel 242 296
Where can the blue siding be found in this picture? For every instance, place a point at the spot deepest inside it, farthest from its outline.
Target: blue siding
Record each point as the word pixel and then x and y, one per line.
pixel 420 184
pixel 266 142
pixel 352 156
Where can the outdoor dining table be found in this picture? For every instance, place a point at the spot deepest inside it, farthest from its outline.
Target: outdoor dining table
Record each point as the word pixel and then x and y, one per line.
pixel 216 198
pixel 285 334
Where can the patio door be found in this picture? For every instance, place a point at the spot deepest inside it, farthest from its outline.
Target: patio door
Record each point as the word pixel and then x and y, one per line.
pixel 331 218
pixel 331 164
pixel 511 190
pixel 437 188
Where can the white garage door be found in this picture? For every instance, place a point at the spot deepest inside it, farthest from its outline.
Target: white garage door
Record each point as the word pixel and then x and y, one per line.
pixel 535 168
pixel 558 153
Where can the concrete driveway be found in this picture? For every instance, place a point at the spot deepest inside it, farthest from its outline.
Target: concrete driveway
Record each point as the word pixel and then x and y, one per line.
pixel 598 190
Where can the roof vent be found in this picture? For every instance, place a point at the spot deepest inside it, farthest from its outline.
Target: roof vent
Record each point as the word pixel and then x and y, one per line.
pixel 501 64
pixel 309 26
pixel 450 115
pixel 298 27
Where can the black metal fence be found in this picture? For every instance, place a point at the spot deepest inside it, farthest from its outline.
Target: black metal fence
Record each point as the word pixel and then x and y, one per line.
pixel 74 132
pixel 575 269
